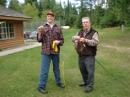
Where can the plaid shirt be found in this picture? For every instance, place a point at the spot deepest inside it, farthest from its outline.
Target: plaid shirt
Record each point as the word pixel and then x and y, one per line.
pixel 48 36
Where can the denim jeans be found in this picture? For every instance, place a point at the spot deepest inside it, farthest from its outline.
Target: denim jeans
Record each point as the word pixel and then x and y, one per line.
pixel 87 69
pixel 45 65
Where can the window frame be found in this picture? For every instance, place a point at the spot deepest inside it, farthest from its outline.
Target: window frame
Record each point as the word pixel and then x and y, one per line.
pixel 7 30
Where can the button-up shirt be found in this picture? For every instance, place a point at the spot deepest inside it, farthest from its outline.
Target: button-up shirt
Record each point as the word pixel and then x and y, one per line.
pixel 48 36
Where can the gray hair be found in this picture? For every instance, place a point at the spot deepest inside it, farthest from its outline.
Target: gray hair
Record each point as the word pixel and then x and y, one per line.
pixel 85 18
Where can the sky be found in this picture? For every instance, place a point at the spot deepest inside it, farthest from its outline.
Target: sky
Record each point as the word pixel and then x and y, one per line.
pixel 72 1
pixel 22 1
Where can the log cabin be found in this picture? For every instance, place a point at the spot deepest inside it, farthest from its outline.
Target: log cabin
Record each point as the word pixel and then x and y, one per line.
pixel 11 28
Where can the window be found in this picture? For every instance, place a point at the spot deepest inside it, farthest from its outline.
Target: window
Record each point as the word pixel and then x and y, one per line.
pixel 6 30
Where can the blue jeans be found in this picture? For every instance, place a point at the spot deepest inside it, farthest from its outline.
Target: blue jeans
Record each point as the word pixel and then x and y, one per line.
pixel 45 65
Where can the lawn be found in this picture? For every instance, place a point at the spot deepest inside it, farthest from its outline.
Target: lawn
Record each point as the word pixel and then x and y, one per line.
pixel 19 72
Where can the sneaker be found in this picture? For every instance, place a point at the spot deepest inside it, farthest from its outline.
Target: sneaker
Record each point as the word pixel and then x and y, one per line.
pixel 43 91
pixel 88 89
pixel 61 85
pixel 82 85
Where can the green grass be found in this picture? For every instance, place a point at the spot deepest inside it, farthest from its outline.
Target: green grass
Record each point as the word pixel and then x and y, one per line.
pixel 19 72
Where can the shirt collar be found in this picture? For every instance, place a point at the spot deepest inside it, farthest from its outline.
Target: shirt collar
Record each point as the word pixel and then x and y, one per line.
pixel 51 25
pixel 86 30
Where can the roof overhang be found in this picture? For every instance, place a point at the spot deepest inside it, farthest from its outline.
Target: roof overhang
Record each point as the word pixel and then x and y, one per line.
pixel 2 17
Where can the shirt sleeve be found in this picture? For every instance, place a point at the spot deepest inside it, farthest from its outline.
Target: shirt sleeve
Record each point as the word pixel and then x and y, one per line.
pixel 94 41
pixel 61 38
pixel 73 39
pixel 39 37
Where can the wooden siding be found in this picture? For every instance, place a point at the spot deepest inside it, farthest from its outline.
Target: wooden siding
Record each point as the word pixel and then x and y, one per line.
pixel 18 40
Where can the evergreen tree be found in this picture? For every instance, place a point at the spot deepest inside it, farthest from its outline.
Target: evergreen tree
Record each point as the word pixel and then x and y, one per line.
pixel 40 8
pixel 14 4
pixel 52 4
pixel 3 2
pixel 30 1
pixel 82 12
pixel 46 4
pixel 118 11
pixel 67 13
pixel 30 10
pixel 96 15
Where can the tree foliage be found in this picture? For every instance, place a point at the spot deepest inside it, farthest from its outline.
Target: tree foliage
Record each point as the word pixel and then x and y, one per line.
pixel 30 10
pixel 15 5
pixel 103 13
pixel 3 2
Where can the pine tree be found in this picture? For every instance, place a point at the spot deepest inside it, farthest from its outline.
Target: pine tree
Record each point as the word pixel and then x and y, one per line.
pixel 14 4
pixel 30 10
pixel 3 2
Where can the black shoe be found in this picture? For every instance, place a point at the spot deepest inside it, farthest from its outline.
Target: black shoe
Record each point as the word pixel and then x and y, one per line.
pixel 43 91
pixel 61 85
pixel 82 85
pixel 88 89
